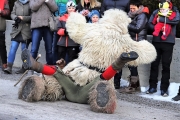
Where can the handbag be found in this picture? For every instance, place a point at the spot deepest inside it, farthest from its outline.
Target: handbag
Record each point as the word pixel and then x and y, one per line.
pixel 53 22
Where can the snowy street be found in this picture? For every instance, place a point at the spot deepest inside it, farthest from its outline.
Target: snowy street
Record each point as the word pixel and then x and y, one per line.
pixel 129 106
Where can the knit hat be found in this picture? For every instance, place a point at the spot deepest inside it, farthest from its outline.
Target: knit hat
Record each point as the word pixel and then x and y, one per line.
pixel 70 4
pixel 94 12
pixel 164 5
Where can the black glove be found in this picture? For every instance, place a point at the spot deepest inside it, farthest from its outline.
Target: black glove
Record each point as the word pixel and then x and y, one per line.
pixel 17 21
pixel 15 25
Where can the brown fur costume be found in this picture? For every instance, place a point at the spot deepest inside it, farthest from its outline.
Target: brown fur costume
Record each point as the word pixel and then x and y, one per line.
pixel 40 89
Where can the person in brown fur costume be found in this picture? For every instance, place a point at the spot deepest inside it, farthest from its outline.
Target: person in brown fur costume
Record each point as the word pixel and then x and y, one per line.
pixel 98 93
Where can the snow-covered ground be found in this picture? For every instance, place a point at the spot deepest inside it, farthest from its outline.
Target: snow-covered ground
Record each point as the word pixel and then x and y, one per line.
pixel 172 90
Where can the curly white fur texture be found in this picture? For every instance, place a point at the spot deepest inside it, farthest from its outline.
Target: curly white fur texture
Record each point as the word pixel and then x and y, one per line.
pixel 104 42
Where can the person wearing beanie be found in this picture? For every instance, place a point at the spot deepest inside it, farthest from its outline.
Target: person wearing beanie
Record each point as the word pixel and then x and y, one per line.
pixel 65 44
pixel 94 16
pixel 86 6
pixel 164 49
pixel 165 9
pixel 60 12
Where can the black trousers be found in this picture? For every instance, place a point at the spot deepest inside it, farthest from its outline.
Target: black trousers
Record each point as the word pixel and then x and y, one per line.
pixel 164 53
pixel 3 52
pixel 71 51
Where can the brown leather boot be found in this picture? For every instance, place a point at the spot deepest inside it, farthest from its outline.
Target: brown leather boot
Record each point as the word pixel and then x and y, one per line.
pixel 29 63
pixel 133 85
pixel 123 59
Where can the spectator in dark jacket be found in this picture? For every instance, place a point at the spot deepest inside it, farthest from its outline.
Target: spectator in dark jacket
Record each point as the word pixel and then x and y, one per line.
pixel 4 13
pixel 118 4
pixel 65 44
pixel 138 31
pixel 86 6
pixel 164 49
pixel 115 4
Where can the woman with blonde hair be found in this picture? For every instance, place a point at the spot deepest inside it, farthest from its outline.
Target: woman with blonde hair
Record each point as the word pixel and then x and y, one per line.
pixel 86 6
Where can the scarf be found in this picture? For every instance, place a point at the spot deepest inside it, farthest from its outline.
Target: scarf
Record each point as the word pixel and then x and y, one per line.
pixel 23 1
pixel 139 11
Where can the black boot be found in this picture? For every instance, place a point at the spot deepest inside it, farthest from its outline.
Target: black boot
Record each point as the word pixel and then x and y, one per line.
pixel 117 78
pixel 177 97
pixel 123 59
pixel 8 70
pixel 20 71
pixel 29 63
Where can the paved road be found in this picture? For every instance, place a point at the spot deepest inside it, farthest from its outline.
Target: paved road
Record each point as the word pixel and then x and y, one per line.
pixel 130 107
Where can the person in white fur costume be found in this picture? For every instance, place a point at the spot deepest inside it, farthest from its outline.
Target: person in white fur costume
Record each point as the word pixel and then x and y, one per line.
pixel 106 48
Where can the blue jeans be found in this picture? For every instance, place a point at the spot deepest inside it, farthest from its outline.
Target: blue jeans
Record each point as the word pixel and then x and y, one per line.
pixel 47 35
pixel 13 49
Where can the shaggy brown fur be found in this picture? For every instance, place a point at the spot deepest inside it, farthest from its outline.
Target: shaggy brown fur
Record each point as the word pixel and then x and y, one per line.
pixel 93 95
pixel 53 90
pixel 32 89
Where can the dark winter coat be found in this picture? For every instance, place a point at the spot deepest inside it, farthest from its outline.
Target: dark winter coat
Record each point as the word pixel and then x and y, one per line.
pixel 138 27
pixel 24 26
pixel 41 11
pixel 64 39
pixel 173 23
pixel 111 4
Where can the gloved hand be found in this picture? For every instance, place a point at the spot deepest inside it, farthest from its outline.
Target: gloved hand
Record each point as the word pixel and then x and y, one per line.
pixel 17 21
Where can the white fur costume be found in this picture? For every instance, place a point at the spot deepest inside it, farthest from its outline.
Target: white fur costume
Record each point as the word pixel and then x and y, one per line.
pixel 102 44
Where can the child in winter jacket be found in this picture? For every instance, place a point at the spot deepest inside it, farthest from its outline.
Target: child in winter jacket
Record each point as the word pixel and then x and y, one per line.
pixel 65 44
pixel 166 11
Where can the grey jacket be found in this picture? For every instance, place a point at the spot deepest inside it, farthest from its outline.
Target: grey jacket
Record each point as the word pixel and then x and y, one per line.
pixel 41 11
pixel 24 26
pixel 4 13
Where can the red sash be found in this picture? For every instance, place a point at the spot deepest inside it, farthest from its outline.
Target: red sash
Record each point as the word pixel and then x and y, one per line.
pixel 2 3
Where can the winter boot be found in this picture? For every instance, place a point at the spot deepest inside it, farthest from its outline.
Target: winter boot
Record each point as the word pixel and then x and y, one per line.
pixel 20 71
pixel 123 59
pixel 102 97
pixel 4 66
pixel 8 70
pixel 177 97
pixel 29 63
pixel 117 78
pixel 133 85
